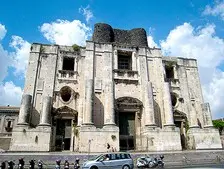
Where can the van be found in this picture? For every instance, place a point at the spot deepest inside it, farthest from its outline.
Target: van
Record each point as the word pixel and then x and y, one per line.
pixel 110 161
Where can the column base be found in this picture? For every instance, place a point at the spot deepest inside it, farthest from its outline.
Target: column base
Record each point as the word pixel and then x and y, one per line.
pixel 110 124
pixel 44 124
pixel 195 126
pixel 151 126
pixel 22 124
pixel 169 125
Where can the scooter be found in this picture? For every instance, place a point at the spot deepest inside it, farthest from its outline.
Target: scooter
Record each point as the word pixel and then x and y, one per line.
pixel 76 164
pixel 40 164
pixel 32 164
pixel 58 164
pixel 66 164
pixel 3 165
pixel 149 162
pixel 10 164
pixel 21 163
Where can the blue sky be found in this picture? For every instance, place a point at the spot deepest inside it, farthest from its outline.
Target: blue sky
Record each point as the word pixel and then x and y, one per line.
pixel 186 28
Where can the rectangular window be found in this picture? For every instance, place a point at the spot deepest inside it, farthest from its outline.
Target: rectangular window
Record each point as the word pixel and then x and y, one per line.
pixel 9 124
pixel 124 60
pixel 68 63
pixel 169 72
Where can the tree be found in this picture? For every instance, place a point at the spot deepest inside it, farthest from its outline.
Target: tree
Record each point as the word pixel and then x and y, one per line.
pixel 219 124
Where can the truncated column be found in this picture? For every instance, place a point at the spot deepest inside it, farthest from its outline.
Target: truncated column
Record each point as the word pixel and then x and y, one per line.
pixel 46 111
pixel 168 105
pixel 149 108
pixel 24 112
pixel 88 120
pixel 207 114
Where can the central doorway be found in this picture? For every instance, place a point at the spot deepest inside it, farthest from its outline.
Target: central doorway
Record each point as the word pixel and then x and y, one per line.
pixel 180 121
pixel 63 134
pixel 128 112
pixel 127 130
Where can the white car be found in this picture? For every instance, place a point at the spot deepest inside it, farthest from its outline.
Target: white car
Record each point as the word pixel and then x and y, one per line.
pixel 110 161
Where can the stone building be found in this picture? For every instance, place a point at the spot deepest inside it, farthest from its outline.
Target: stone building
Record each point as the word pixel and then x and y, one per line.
pixel 8 120
pixel 114 94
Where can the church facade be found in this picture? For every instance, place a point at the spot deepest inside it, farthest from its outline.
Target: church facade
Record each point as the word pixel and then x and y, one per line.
pixel 114 94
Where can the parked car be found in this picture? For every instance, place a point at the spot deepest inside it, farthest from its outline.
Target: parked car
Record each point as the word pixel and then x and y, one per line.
pixel 110 161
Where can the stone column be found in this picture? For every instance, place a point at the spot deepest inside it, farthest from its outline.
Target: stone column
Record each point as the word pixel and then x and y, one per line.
pixel 24 112
pixel 168 109
pixel 46 111
pixel 207 115
pixel 149 107
pixel 88 119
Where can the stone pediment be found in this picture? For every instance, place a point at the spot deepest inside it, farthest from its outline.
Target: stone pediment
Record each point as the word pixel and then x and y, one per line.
pixel 128 101
pixel 66 111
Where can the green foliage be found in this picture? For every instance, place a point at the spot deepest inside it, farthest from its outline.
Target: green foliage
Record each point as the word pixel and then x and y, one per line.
pixel 219 125
pixel 76 48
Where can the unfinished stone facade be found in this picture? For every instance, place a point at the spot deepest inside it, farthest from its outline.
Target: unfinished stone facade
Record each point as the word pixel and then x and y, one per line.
pixel 114 94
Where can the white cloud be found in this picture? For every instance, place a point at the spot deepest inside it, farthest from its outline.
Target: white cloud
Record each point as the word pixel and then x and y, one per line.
pixel 216 10
pixel 4 55
pixel 151 42
pixel 10 94
pixel 21 55
pixel 87 13
pixel 2 31
pixel 208 49
pixel 64 32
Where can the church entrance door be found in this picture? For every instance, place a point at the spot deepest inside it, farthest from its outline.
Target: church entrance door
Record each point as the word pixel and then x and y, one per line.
pixel 63 134
pixel 127 130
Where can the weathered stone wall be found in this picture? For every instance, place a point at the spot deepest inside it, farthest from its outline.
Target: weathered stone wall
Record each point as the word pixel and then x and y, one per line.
pixel 157 139
pixel 31 139
pixel 207 138
pixel 95 139
pixel 104 33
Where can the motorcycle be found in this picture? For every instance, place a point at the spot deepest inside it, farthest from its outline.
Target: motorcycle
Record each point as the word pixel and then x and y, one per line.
pixel 58 164
pixel 66 164
pixel 10 164
pixel 149 162
pixel 3 165
pixel 40 164
pixel 21 163
pixel 32 164
pixel 76 164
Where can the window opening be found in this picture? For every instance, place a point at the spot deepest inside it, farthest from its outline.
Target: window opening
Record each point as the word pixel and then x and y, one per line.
pixel 169 72
pixel 68 63
pixel 66 93
pixel 173 99
pixel 124 61
pixel 9 124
